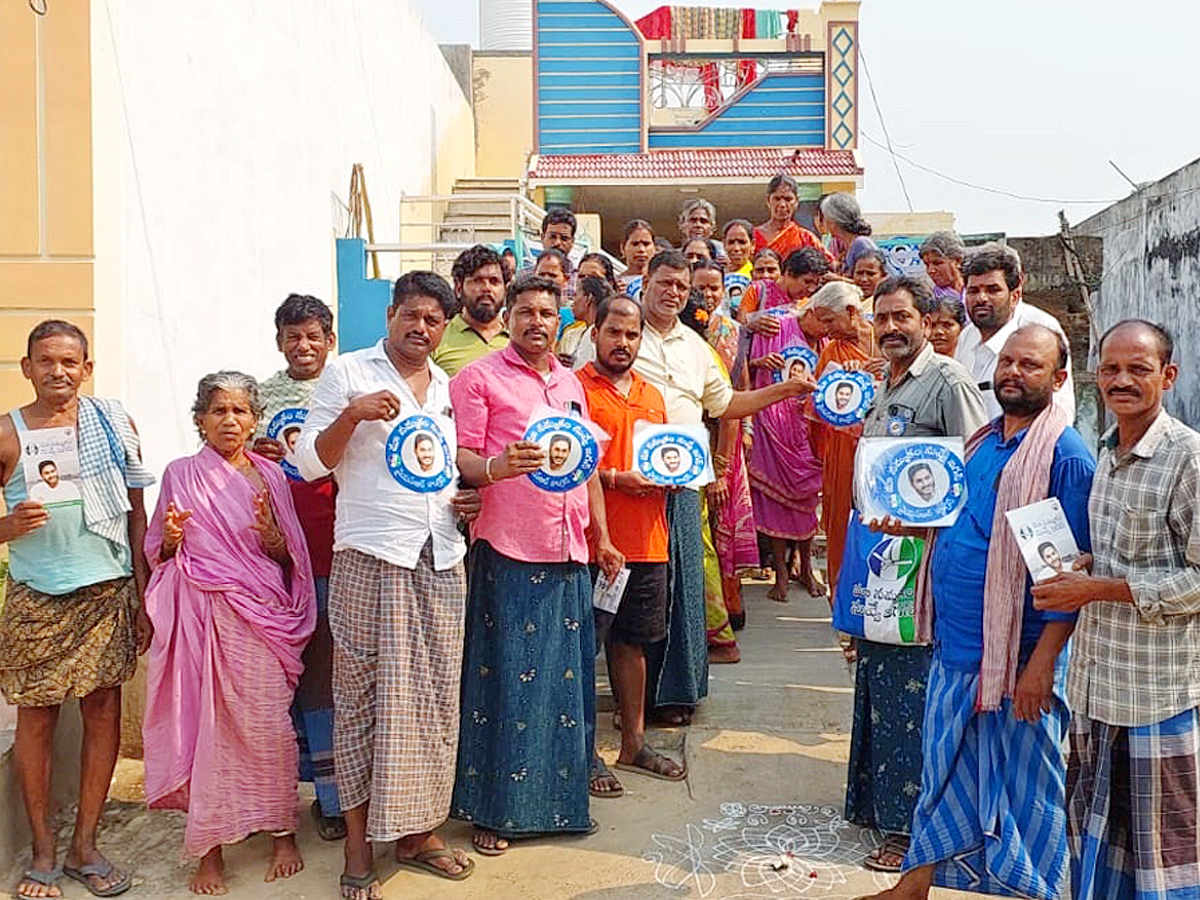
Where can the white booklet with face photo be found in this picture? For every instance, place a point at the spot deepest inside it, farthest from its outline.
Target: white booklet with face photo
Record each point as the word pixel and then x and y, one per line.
pixel 50 463
pixel 1045 538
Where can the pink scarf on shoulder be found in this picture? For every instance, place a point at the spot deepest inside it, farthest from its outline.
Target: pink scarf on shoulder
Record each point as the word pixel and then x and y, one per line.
pixel 1024 480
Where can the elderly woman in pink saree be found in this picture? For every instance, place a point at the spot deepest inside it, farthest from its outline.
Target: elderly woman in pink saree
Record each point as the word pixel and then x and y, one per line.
pixel 232 602
pixel 784 465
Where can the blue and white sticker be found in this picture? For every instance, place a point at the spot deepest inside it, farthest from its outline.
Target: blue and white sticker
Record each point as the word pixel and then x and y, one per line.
pixel 570 449
pixel 285 427
pixel 843 397
pixel 920 482
pixel 672 458
pixel 796 357
pixel 417 455
pixel 633 290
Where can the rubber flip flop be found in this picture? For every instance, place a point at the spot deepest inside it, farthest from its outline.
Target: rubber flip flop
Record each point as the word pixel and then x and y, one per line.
pixel 423 862
pixel 45 879
pixel 362 883
pixel 600 770
pixel 103 871
pixel 490 851
pixel 643 764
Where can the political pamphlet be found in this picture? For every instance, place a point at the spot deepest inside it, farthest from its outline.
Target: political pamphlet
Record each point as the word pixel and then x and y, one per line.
pixel 1045 538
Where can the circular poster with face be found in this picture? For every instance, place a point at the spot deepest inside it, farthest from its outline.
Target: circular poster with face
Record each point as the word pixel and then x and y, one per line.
pixel 920 482
pixel 417 455
pixel 843 398
pixel 672 458
pixel 795 361
pixel 571 452
pixel 735 286
pixel 285 427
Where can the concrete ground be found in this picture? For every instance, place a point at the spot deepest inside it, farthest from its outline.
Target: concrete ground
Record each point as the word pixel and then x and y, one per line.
pixel 757 818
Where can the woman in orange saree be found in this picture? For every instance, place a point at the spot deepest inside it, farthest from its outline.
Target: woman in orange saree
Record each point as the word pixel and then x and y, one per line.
pixel 780 232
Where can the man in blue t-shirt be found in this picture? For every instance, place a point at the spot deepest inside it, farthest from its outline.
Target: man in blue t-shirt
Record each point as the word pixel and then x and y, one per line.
pixel 991 814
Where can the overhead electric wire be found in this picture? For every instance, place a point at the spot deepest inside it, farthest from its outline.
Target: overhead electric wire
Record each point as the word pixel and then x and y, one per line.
pixel 883 124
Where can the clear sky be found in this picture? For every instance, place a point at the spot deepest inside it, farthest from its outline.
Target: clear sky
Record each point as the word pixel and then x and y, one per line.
pixel 1032 97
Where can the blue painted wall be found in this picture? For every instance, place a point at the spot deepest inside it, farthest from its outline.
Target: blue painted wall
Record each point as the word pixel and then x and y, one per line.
pixel 362 301
pixel 780 111
pixel 589 97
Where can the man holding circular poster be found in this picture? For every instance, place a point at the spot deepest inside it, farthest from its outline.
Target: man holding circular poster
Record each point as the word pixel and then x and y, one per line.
pixel 619 399
pixel 304 335
pixel 396 586
pixel 530 641
pixel 684 369
pixel 923 394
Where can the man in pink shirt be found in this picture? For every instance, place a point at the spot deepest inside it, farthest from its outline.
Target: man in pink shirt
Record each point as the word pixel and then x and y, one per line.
pixel 528 698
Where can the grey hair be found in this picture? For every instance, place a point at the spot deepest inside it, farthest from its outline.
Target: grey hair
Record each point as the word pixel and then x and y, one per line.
pixel 945 243
pixel 837 296
pixel 843 211
pixel 692 204
pixel 226 380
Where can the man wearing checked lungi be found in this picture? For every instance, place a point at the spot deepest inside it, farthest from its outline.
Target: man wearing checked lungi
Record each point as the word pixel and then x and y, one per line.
pixel 1134 680
pixel 397 590
pixel 990 816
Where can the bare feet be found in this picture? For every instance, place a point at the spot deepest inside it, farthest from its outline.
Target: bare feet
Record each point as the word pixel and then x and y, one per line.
pixel 913 885
pixel 778 591
pixel 210 874
pixel 285 860
pixel 411 846
pixel 488 842
pixel 814 583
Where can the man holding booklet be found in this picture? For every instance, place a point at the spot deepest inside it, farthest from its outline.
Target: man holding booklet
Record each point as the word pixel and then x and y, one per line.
pixel 991 815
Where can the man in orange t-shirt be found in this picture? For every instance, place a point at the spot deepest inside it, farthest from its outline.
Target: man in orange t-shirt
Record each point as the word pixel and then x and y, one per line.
pixel 637 523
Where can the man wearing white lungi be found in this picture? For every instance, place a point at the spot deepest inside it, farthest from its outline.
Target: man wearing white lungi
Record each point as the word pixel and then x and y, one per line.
pixel 1133 776
pixel 397 590
pixel 991 816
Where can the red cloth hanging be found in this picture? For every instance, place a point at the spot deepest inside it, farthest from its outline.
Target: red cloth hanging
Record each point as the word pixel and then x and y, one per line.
pixel 747 69
pixel 793 16
pixel 656 25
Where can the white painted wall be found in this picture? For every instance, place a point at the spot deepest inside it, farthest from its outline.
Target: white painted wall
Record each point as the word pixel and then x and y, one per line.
pixel 223 131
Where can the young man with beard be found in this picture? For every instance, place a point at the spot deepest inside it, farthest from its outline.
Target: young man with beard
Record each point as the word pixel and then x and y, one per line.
pixel 1132 783
pixel 994 281
pixel 478 329
pixel 304 335
pixel 991 814
pixel 923 395
pixel 618 398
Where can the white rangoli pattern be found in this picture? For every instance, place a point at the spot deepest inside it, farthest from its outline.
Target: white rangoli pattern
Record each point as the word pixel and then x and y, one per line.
pixel 778 851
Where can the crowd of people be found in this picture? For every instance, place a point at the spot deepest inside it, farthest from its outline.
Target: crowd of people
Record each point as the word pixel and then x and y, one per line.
pixel 417 637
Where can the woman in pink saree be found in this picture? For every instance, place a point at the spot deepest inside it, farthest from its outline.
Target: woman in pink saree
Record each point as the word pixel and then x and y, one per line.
pixel 731 513
pixel 784 464
pixel 232 602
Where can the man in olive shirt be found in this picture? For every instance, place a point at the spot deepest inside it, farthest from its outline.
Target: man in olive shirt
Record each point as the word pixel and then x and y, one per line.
pixel 478 329
pixel 923 394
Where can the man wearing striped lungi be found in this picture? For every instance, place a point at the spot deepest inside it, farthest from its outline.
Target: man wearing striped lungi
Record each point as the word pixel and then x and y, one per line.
pixel 1133 779
pixel 990 816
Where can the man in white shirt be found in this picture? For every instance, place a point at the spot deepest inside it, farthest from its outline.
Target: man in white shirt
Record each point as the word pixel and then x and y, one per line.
pixel 52 490
pixel 397 590
pixel 994 305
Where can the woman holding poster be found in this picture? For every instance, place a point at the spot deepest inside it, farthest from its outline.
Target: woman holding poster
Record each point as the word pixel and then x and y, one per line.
pixel 784 466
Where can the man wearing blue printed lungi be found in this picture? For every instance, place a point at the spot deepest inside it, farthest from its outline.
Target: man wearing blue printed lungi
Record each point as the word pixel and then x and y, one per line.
pixel 991 815
pixel 1133 778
